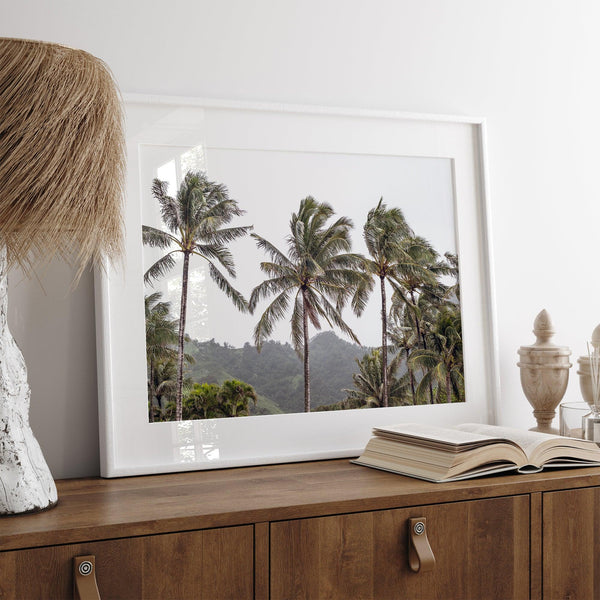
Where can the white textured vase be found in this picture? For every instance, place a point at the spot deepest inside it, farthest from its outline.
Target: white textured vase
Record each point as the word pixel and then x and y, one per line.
pixel 26 483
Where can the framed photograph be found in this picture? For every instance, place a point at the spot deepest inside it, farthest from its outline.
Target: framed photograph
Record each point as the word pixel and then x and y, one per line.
pixel 294 276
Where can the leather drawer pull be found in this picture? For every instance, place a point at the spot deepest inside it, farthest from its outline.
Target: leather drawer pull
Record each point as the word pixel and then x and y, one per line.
pixel 420 555
pixel 84 578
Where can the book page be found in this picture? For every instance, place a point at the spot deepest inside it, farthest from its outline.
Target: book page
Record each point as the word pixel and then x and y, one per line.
pixel 527 440
pixel 444 435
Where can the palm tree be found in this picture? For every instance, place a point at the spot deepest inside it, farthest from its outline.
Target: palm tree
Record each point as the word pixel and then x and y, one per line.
pixel 236 397
pixel 163 384
pixel 419 276
pixel 195 220
pixel 384 233
pixel 452 260
pixel 202 402
pixel 418 287
pixel 161 340
pixel 210 401
pixel 161 330
pixel 369 384
pixel 318 272
pixel 442 361
pixel 403 337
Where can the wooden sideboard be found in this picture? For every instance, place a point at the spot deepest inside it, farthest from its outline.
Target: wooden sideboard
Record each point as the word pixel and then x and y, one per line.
pixel 322 530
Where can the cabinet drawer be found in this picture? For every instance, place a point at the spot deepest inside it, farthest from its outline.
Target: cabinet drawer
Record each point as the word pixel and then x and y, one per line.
pixel 481 549
pixel 571 529
pixel 210 564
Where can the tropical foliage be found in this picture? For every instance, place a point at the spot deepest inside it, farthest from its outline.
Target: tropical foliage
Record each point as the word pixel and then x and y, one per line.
pixel 161 354
pixel 210 401
pixel 384 233
pixel 313 280
pixel 418 302
pixel 441 361
pixel 276 373
pixel 371 389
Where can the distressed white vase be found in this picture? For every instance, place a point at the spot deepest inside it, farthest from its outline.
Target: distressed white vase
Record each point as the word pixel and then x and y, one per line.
pixel 26 484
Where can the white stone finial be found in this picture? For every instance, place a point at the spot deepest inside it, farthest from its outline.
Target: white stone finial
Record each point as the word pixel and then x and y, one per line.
pixel 544 372
pixel 543 329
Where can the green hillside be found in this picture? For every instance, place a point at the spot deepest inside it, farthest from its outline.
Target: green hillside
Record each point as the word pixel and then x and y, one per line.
pixel 276 372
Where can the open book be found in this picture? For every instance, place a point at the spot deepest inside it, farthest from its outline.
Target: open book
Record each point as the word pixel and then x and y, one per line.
pixel 471 450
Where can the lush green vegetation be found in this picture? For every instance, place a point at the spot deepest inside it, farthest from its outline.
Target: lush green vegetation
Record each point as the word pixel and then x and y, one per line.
pixel 276 372
pixel 311 282
pixel 211 401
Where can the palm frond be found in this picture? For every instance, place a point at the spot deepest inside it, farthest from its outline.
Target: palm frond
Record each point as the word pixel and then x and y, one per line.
pixel 276 255
pixel 347 260
pixel 361 295
pixel 383 232
pixel 422 391
pixel 273 313
pixel 423 359
pixel 156 238
pixel 216 213
pixel 296 325
pixel 168 206
pixel 335 243
pixel 399 297
pixel 333 316
pixel 227 235
pixel 310 307
pixel 220 253
pixel 236 297
pixel 151 301
pixel 160 268
pixel 275 270
pixel 267 288
pixel 458 383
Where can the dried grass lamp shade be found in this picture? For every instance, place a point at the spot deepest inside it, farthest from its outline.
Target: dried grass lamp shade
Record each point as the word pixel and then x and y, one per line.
pixel 61 154
pixel 61 179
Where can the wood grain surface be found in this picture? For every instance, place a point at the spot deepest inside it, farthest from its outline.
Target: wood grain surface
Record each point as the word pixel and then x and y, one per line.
pixel 481 549
pixel 571 566
pixel 537 544
pixel 261 561
pixel 326 529
pixel 211 565
pixel 100 509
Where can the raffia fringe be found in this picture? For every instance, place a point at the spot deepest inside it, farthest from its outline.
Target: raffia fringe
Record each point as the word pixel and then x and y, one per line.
pixel 62 159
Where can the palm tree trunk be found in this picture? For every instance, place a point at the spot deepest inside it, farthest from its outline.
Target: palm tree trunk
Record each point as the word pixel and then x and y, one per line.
pixel 448 387
pixel 151 390
pixel 416 316
pixel 306 361
pixel 421 336
pixel 384 373
pixel 412 377
pixel 182 313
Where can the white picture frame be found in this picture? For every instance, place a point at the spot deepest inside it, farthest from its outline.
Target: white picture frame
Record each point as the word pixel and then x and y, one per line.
pixel 129 444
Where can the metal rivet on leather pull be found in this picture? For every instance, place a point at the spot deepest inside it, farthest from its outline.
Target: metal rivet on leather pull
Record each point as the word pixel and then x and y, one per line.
pixel 420 555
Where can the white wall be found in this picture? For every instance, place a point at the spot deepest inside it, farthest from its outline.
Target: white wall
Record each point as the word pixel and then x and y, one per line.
pixel 529 66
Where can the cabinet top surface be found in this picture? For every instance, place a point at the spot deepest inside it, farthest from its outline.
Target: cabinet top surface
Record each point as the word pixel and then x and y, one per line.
pixel 96 508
